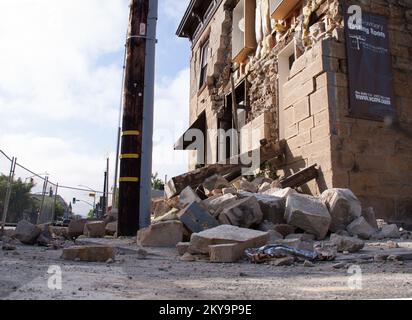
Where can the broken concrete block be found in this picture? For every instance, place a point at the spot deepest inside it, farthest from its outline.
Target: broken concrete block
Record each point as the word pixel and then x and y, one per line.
pixel 344 207
pixel 248 186
pixel 27 232
pixel 273 208
pixel 188 196
pixel 309 214
pixel 76 228
pixel 361 228
pixel 264 187
pixel 390 232
pixel 182 248
pixel 227 234
pixel 196 219
pixel 45 238
pixel 226 253
pixel 111 228
pixel 170 216
pixel 160 207
pixel 370 217
pixel 226 191
pixel 95 229
pixel 242 213
pixel 261 180
pixel 215 205
pixel 89 253
pixel 214 182
pixel 164 234
pixel 285 229
pixel 59 232
pixel 280 193
pixel 347 244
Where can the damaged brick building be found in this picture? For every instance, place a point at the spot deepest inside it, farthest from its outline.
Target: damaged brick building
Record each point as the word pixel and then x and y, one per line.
pixel 297 80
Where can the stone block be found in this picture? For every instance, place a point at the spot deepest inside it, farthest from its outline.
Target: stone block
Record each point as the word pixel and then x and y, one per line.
pixel 95 229
pixel 309 214
pixel 227 234
pixel 361 228
pixel 215 182
pixel 344 207
pixel 76 228
pixel 347 244
pixel 370 217
pixel 164 234
pixel 216 204
pixel 26 232
pixel 89 253
pixel 111 228
pixel 390 232
pixel 273 208
pixel 197 219
pixel 188 196
pixel 226 253
pixel 242 213
pixel 182 248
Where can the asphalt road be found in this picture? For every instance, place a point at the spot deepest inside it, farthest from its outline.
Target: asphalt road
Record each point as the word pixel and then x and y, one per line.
pixel 24 275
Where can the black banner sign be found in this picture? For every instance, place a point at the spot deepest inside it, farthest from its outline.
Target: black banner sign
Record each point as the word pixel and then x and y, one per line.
pixel 370 66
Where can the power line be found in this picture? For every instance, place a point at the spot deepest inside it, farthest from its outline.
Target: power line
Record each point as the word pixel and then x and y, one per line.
pixel 49 182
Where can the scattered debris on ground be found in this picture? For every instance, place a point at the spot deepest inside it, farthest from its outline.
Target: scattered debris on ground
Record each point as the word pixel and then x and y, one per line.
pixel 246 220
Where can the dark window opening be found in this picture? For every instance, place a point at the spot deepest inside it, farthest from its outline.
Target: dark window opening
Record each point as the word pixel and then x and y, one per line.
pixel 292 59
pixel 204 56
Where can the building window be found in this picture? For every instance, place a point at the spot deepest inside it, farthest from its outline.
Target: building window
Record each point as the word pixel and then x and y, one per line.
pixel 204 57
pixel 243 30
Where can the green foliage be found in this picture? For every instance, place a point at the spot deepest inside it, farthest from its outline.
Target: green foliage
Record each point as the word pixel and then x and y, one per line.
pixel 91 215
pixel 20 199
pixel 59 211
pixel 157 184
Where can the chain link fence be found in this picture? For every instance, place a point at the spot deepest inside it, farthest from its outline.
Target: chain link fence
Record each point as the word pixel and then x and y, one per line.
pixel 26 195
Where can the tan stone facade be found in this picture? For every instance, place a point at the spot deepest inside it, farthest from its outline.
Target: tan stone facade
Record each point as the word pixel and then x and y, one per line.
pixel 294 86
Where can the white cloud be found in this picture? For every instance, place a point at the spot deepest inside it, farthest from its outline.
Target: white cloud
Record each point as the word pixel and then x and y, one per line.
pixel 60 76
pixel 174 8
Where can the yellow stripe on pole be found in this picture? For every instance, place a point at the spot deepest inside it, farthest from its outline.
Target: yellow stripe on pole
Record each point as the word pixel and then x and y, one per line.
pixel 130 156
pixel 129 179
pixel 131 133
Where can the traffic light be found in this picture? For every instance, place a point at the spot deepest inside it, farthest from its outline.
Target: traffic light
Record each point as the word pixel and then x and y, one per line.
pixel 74 200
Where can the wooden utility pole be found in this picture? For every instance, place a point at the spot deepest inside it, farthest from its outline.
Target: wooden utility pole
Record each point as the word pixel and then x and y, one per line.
pixel 135 157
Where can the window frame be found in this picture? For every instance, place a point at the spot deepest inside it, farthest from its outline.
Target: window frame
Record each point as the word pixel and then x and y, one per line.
pixel 204 63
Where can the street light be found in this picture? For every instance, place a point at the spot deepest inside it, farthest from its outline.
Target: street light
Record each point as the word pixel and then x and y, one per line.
pixel 92 195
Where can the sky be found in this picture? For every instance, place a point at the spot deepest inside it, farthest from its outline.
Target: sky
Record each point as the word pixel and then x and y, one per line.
pixel 60 86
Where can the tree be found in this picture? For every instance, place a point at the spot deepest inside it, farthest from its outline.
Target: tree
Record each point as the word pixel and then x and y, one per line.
pixel 157 184
pixel 20 199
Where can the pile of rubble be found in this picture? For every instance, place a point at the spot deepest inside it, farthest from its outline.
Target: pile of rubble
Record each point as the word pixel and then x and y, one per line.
pixel 224 222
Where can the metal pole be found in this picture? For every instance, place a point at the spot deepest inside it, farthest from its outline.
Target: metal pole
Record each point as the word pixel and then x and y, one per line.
pixel 8 192
pixel 116 169
pixel 107 185
pixel 148 115
pixel 54 204
pixel 103 205
pixel 46 181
